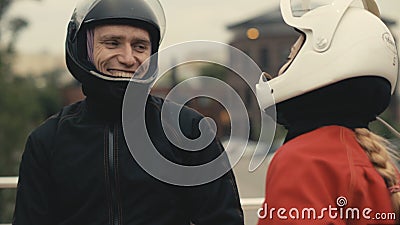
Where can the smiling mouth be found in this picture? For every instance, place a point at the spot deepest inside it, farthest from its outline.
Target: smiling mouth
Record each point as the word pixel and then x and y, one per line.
pixel 121 73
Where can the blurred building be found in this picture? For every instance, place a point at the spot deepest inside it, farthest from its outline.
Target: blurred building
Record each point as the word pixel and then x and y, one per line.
pixel 266 39
pixel 36 63
pixel 188 90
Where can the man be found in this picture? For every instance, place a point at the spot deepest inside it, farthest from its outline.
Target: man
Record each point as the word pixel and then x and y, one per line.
pixel 77 168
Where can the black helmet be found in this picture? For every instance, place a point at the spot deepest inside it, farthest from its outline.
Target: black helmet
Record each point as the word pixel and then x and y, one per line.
pixel 146 14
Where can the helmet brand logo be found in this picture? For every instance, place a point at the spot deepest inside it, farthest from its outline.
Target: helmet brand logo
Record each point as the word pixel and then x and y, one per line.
pixel 388 39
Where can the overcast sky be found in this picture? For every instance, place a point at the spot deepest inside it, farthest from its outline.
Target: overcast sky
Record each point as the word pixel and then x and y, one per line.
pixel 186 20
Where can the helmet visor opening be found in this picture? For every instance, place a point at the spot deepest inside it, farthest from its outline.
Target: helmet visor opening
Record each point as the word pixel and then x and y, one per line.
pixel 294 51
pixel 301 7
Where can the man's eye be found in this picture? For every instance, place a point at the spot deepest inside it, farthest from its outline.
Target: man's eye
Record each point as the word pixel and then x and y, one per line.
pixel 111 44
pixel 140 47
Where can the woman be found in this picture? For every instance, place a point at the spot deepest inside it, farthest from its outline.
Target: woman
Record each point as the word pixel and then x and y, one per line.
pixel 339 77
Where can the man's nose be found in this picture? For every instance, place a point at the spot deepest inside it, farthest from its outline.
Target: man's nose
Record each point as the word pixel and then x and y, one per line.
pixel 127 56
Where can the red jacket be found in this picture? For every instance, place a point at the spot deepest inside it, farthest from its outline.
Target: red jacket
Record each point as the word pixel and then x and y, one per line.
pixel 324 177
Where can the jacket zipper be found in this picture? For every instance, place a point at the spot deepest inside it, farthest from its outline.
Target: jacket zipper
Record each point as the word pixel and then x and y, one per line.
pixel 112 177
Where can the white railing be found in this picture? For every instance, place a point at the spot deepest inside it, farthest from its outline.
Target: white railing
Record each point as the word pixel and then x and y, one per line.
pixel 8 182
pixel 247 203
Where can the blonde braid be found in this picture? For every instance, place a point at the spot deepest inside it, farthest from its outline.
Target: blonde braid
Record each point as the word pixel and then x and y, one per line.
pixel 381 155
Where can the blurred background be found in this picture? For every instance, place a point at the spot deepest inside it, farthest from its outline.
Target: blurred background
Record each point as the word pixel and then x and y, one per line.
pixel 34 81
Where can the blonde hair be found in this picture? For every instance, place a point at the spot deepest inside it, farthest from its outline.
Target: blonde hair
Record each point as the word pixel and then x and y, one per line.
pixel 381 154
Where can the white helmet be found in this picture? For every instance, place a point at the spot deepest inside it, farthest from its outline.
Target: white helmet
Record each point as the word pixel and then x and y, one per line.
pixel 343 39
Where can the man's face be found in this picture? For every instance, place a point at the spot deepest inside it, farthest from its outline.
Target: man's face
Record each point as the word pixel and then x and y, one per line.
pixel 119 50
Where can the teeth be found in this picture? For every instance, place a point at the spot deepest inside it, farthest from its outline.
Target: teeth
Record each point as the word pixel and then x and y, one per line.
pixel 122 74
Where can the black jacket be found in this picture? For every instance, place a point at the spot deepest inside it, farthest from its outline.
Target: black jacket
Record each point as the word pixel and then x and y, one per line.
pixel 70 174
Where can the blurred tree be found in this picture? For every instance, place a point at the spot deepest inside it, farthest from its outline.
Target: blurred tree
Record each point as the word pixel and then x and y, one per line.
pixel 16 25
pixel 4 5
pixel 214 70
pixel 23 104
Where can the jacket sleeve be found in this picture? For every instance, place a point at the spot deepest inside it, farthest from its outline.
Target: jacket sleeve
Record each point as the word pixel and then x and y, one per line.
pixel 216 202
pixel 32 202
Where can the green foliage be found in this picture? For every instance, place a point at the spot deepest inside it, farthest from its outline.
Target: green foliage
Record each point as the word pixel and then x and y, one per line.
pixel 214 70
pixel 4 5
pixel 23 105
